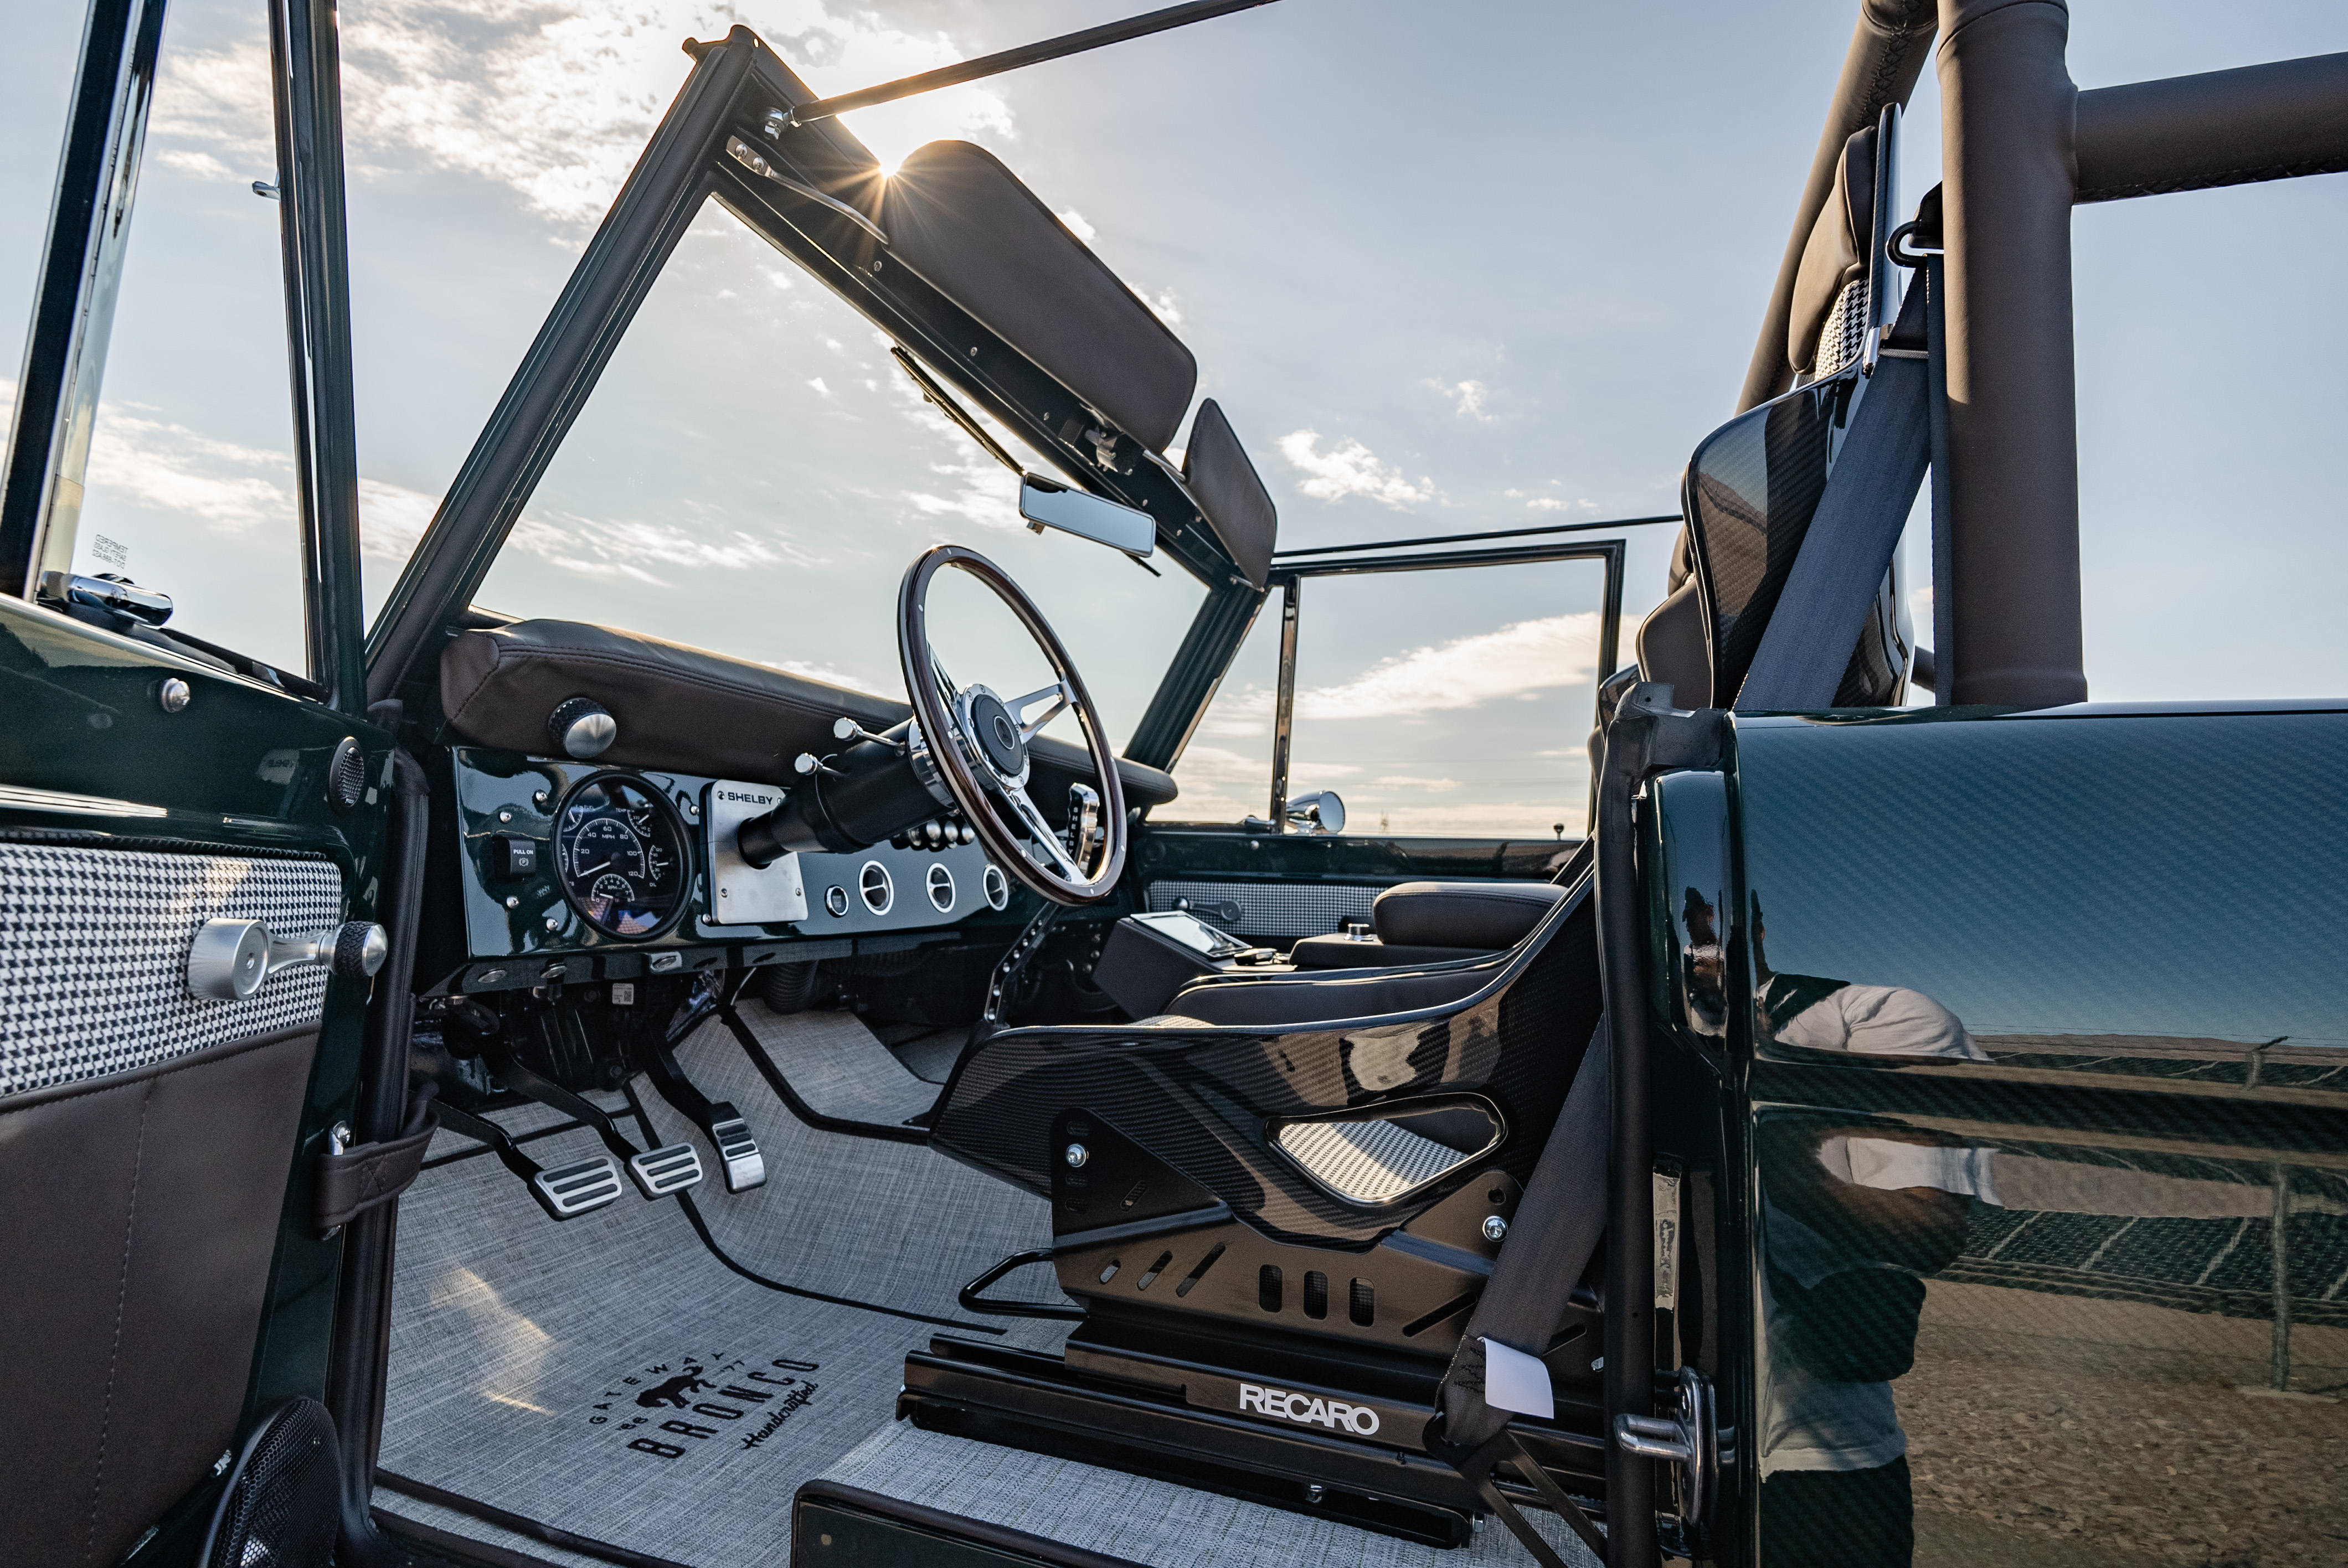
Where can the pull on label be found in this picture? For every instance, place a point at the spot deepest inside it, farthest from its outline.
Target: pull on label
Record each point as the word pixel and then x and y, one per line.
pixel 1667 1243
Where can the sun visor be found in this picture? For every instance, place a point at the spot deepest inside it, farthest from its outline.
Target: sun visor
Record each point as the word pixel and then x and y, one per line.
pixel 965 224
pixel 1224 483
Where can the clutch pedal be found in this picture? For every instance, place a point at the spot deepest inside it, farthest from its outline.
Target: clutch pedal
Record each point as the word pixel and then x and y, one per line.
pixel 569 1191
pixel 661 1171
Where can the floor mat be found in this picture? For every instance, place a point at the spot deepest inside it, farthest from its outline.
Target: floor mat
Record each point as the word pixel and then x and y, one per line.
pixel 1152 1522
pixel 836 1064
pixel 895 1224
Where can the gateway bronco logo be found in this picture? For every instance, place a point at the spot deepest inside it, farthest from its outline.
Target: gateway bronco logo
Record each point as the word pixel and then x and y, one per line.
pixel 1309 1411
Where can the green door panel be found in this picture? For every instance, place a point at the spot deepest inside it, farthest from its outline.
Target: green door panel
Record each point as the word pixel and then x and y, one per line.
pixel 2034 1029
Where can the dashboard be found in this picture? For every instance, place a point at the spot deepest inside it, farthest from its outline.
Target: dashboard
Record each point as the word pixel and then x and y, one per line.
pixel 571 872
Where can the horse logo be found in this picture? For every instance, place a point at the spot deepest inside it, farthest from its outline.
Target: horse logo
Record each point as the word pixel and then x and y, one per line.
pixel 672 1392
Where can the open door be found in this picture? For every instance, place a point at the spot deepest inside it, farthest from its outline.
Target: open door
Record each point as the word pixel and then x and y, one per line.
pixel 189 876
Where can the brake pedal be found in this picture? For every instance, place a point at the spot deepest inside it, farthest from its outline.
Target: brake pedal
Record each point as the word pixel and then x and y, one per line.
pixel 737 1150
pixel 569 1191
pixel 661 1171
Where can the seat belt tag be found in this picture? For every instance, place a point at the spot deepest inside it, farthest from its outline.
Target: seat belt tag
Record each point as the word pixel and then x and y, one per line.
pixel 1516 1381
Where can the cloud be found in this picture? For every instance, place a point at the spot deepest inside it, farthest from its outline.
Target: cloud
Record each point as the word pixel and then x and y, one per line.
pixel 1074 221
pixel 631 549
pixel 553 98
pixel 1521 660
pixel 1548 504
pixel 817 382
pixel 1350 468
pixel 168 466
pixel 1164 304
pixel 1407 781
pixel 392 519
pixel 1468 397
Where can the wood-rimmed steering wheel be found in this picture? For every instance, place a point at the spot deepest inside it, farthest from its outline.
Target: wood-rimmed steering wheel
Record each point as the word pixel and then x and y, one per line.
pixel 975 742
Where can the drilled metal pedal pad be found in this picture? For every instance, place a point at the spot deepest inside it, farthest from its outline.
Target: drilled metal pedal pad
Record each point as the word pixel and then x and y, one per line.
pixel 745 1166
pixel 569 1191
pixel 664 1170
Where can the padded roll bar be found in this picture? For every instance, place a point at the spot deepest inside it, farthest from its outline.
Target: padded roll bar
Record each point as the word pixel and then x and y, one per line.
pixel 2006 103
pixel 1887 55
pixel 2274 121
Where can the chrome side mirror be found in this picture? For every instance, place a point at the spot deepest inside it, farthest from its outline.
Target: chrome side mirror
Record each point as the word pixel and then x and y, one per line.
pixel 1047 504
pixel 1321 813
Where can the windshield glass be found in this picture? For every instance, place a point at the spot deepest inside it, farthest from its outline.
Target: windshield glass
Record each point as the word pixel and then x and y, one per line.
pixel 754 473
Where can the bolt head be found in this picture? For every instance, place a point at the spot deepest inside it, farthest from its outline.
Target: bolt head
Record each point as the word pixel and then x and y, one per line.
pixel 554 922
pixel 174 695
pixel 1076 1154
pixel 1495 1227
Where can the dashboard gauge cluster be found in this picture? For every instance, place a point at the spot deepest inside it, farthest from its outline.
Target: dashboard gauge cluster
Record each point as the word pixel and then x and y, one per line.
pixel 592 873
pixel 620 855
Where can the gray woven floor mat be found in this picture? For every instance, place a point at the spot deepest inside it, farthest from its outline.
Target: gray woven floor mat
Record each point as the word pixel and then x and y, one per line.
pixel 614 1378
pixel 836 1064
pixel 1153 1523
pixel 890 1223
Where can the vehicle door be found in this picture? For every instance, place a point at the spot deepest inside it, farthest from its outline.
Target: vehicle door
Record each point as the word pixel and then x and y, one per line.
pixel 2026 1208
pixel 1392 715
pixel 189 836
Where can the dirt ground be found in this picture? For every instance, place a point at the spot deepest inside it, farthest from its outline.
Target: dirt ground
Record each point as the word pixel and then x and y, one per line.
pixel 2046 1431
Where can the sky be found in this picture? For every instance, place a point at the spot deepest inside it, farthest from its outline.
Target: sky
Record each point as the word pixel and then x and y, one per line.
pixel 1482 265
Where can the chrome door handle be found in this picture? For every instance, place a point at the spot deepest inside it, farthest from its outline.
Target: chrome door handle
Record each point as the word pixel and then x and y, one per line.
pixel 230 959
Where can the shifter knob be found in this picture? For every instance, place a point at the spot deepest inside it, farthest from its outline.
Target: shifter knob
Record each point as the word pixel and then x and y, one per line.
pixel 581 727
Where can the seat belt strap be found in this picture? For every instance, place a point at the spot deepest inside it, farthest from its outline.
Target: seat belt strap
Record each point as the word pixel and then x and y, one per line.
pixel 1857 524
pixel 1559 1224
pixel 1944 598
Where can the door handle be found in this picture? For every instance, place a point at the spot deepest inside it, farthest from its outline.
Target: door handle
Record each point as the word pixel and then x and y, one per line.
pixel 230 959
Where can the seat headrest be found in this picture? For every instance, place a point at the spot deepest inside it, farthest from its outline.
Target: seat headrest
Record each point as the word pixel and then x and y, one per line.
pixel 1836 255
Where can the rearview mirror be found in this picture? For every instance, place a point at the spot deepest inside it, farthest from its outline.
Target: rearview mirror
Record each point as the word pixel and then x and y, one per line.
pixel 1048 504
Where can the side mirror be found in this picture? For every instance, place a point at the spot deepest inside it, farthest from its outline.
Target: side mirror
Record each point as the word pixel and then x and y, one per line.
pixel 1046 504
pixel 1322 812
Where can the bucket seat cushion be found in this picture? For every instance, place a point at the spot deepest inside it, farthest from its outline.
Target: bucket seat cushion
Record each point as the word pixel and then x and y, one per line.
pixel 1432 922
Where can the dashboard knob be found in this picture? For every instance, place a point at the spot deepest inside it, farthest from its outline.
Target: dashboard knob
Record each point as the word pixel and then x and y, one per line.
pixel 581 727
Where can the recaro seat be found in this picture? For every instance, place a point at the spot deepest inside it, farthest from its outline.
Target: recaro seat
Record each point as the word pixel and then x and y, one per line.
pixel 1434 923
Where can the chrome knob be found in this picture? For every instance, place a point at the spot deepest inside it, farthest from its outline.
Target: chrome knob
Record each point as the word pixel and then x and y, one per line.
pixel 230 959
pixel 1076 1156
pixel 581 727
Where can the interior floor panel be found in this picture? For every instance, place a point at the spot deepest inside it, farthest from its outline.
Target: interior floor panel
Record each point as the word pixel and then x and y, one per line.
pixel 895 1224
pixel 612 1375
pixel 1152 1522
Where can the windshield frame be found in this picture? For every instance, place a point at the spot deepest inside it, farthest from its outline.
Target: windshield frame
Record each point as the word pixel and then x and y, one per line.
pixel 738 89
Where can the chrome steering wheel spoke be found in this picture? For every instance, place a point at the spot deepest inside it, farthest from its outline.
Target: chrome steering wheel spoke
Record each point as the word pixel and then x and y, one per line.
pixel 1044 848
pixel 1030 728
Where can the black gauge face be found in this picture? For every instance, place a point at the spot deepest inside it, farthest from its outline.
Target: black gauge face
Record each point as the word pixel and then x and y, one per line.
pixel 620 854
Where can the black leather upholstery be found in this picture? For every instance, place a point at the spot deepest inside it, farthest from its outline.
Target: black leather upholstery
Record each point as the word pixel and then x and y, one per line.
pixel 1358 993
pixel 1477 916
pixel 1338 951
pixel 690 710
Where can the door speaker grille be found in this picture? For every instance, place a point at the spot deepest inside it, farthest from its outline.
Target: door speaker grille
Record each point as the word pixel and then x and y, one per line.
pixel 284 1496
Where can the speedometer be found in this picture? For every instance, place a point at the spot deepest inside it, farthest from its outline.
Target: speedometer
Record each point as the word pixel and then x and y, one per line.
pixel 620 854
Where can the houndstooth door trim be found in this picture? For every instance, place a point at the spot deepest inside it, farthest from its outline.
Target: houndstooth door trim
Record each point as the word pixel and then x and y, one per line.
pixel 94 956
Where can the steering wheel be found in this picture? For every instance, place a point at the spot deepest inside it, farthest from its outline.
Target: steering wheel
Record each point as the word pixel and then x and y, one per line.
pixel 975 741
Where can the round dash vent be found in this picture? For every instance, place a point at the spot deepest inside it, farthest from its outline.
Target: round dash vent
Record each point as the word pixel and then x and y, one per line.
pixel 873 884
pixel 941 883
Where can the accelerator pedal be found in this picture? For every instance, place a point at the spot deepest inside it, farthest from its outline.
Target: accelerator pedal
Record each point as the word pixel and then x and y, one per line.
pixel 737 1149
pixel 720 1123
pixel 661 1171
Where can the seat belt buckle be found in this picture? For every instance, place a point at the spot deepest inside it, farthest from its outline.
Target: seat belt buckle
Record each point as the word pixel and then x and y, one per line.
pixel 581 1187
pixel 737 1152
pixel 661 1171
